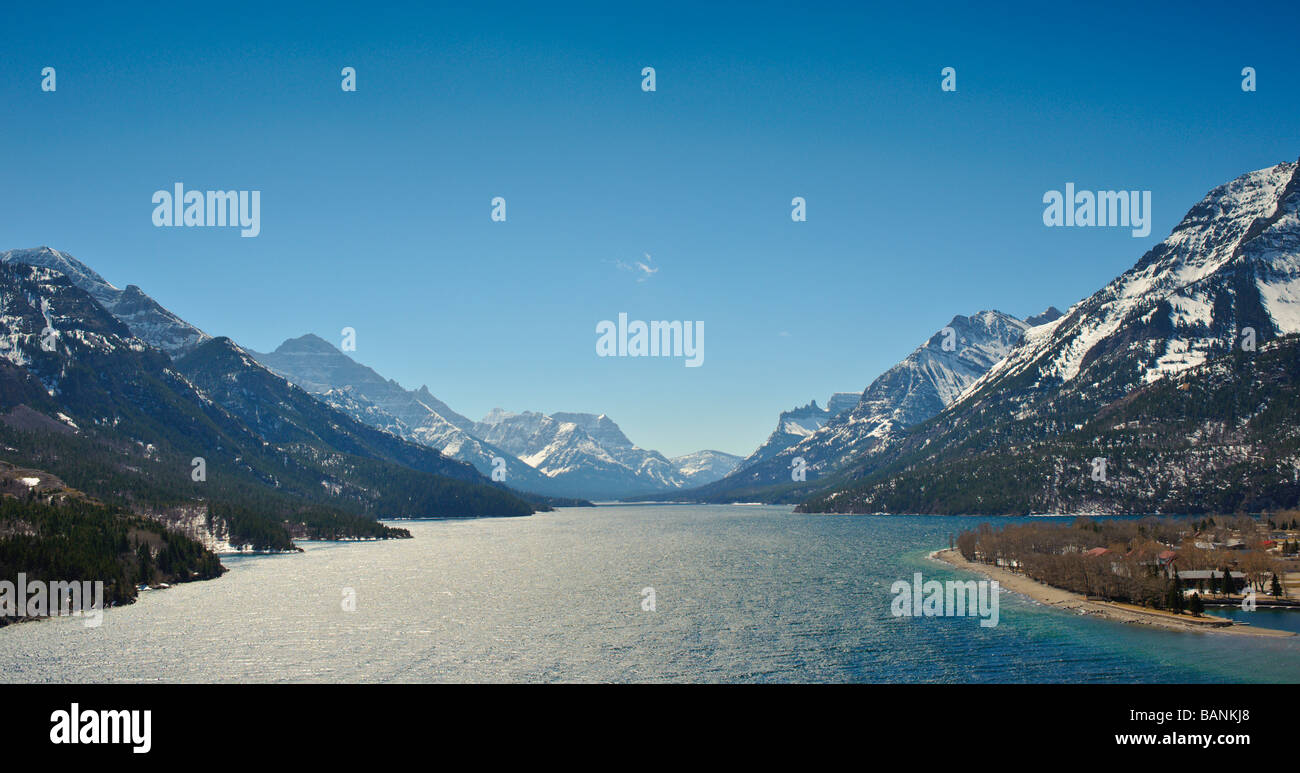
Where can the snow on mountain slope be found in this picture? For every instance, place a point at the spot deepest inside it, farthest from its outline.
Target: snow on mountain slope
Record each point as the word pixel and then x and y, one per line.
pixel 331 376
pixel 586 452
pixel 567 454
pixel 915 389
pixel 600 427
pixel 704 466
pixel 318 366
pixel 143 316
pixel 802 422
pixel 34 299
pixel 1221 288
pixel 799 423
pixel 1231 264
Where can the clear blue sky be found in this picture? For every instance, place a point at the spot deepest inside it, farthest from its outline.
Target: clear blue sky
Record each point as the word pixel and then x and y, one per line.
pixel 375 204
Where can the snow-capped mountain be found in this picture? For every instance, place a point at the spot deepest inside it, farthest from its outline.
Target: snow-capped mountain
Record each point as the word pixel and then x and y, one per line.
pixel 143 316
pixel 704 466
pixel 416 415
pixel 1226 280
pixel 147 323
pixel 1231 264
pixel 318 366
pixel 568 451
pixel 35 299
pixel 939 370
pixel 565 454
pixel 84 399
pixel 799 423
pixel 588 453
pixel 914 390
pixel 144 322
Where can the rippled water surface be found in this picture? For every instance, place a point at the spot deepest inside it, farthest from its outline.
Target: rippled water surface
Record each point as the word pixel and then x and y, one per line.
pixel 747 594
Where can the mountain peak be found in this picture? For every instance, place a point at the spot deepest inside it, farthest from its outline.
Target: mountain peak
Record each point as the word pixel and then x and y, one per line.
pixel 143 316
pixel 217 349
pixel 48 257
pixel 1050 314
pixel 1229 264
pixel 496 416
pixel 309 343
pixel 599 426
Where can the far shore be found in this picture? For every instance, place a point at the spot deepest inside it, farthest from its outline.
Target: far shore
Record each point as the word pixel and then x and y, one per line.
pixel 1110 610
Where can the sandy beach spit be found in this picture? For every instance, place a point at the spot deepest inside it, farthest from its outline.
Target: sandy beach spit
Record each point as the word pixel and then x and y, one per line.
pixel 1124 613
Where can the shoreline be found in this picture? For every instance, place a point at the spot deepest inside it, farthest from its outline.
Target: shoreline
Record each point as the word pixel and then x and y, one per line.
pixel 1109 610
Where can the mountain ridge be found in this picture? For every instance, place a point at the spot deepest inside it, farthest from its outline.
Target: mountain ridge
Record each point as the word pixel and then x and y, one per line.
pixel 85 399
pixel 914 389
pixel 143 316
pixel 1225 281
pixel 568 454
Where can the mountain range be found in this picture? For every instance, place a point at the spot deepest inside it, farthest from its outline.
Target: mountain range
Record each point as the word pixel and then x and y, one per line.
pixel 300 395
pixel 204 436
pixel 919 387
pixel 1178 375
pixel 994 414
pixel 562 454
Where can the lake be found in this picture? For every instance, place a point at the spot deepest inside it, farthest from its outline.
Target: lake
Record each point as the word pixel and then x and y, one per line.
pixel 741 594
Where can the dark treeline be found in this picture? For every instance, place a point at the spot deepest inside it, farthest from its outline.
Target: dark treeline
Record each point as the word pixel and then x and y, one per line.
pixel 79 540
pixel 259 511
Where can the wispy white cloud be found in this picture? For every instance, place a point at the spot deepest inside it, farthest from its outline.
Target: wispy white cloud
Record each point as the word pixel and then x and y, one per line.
pixel 644 269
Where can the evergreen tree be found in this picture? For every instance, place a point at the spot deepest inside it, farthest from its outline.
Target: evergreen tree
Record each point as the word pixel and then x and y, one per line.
pixel 144 560
pixel 1174 598
pixel 1196 607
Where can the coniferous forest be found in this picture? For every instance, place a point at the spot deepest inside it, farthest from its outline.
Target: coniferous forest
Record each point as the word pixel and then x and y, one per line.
pixel 76 539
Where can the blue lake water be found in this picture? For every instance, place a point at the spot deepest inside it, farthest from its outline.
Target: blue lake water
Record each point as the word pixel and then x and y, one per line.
pixel 745 594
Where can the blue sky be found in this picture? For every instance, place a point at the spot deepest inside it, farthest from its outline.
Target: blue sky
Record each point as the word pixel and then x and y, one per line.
pixel 375 204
